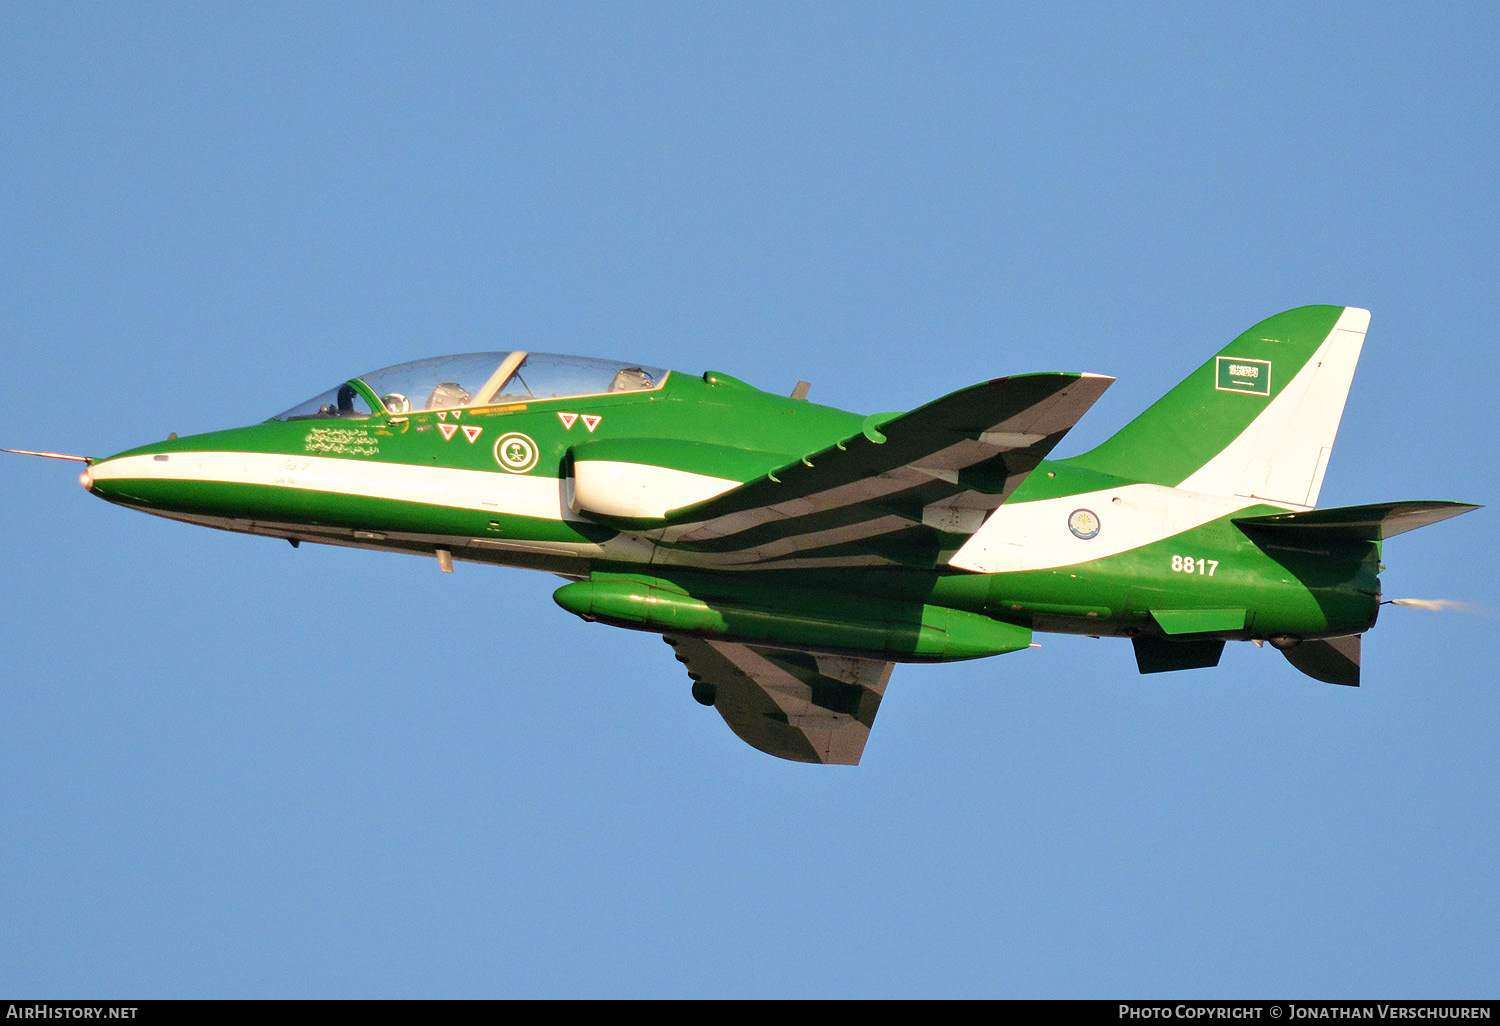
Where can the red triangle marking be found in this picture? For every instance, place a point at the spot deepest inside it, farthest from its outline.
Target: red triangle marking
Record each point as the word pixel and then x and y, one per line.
pixel 457 414
pixel 447 429
pixel 471 432
pixel 591 421
pixel 567 419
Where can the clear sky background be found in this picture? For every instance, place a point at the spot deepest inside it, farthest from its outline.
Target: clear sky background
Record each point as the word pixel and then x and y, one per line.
pixel 228 768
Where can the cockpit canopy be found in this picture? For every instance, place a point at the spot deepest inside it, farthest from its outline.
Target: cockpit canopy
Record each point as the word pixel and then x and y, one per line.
pixel 475 379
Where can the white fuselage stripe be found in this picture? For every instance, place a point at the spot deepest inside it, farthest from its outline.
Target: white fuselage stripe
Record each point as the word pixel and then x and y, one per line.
pixel 1036 536
pixel 485 490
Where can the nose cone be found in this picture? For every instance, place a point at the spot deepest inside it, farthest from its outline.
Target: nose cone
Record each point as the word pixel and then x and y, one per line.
pixel 133 477
pixel 208 475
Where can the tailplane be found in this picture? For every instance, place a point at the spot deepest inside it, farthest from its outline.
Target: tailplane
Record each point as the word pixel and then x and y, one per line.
pixel 1377 522
pixel 1333 661
pixel 1336 660
pixel 1258 419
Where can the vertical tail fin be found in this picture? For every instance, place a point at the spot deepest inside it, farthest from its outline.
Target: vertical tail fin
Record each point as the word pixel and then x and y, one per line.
pixel 1258 419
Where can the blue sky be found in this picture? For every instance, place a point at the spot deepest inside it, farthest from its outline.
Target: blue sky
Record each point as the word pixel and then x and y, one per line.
pixel 234 769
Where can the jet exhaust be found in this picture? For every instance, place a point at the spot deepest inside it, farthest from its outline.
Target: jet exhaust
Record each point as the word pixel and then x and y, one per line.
pixel 1447 606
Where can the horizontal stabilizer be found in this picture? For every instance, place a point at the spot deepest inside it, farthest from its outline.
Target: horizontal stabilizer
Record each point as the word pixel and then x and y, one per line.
pixel 1359 523
pixel 1335 661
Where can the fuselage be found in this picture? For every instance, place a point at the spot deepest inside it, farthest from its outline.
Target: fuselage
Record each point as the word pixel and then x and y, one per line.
pixel 790 553
pixel 581 485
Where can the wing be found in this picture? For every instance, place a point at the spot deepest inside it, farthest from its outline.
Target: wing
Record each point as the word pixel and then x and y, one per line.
pixel 908 490
pixel 795 705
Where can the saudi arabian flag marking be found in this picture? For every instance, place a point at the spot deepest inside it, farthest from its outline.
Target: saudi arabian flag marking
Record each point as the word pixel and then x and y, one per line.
pixel 1237 374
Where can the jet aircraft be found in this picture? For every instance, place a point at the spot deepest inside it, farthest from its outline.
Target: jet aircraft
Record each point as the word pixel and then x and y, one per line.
pixel 792 553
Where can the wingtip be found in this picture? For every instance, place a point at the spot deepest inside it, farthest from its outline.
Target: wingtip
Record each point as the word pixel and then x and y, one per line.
pixel 1105 379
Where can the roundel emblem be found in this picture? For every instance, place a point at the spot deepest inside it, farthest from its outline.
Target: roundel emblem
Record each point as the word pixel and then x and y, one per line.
pixel 515 452
pixel 1083 523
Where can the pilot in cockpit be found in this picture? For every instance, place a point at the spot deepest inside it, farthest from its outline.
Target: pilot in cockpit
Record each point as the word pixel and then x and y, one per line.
pixel 447 395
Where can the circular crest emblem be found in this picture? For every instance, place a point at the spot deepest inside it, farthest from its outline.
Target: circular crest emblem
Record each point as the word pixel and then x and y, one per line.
pixel 1084 524
pixel 515 452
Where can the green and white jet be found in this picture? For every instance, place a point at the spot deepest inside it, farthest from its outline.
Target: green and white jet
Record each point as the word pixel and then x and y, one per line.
pixel 792 553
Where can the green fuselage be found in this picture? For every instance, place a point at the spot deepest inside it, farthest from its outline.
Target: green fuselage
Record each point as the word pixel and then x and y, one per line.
pixel 791 553
pixel 500 483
